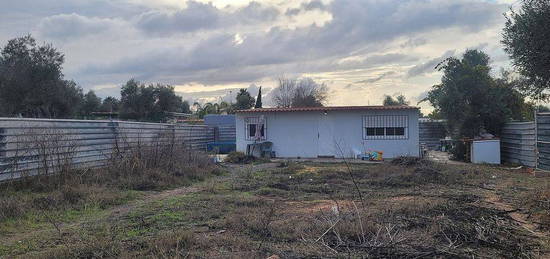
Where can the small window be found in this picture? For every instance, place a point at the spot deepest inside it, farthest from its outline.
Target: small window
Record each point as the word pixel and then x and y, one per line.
pixel 370 132
pixel 375 131
pixel 395 131
pixel 251 127
pixel 252 130
pixel 385 126
pixel 400 131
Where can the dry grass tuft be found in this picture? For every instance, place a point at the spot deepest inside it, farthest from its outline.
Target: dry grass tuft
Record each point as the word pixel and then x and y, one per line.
pixel 538 203
pixel 140 168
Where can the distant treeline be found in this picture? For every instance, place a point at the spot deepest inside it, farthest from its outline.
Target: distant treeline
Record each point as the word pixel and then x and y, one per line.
pixel 32 85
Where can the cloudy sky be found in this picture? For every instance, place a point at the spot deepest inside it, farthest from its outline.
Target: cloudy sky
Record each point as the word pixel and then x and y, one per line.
pixel 361 49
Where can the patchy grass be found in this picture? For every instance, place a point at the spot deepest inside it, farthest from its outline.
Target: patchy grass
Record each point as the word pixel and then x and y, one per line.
pixel 410 208
pixel 43 210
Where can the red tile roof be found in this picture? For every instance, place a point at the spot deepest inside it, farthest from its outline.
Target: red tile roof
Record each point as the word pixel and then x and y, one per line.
pixel 330 108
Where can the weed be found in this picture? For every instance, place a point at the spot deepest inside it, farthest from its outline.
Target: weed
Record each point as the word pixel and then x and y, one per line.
pixel 538 203
pixel 409 161
pixel 174 244
pixel 238 158
pixel 299 210
pixel 142 168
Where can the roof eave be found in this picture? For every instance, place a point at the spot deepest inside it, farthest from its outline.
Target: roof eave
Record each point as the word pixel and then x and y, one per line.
pixel 333 108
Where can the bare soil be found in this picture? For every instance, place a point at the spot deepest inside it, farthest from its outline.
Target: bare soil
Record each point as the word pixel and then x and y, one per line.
pixel 294 210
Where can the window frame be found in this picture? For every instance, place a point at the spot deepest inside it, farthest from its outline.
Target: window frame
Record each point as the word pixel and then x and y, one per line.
pixel 253 121
pixel 394 122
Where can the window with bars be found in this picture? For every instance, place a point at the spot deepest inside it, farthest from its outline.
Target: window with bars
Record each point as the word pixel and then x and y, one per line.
pixel 385 127
pixel 255 128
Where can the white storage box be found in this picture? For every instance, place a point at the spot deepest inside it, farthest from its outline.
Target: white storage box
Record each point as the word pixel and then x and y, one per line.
pixel 485 151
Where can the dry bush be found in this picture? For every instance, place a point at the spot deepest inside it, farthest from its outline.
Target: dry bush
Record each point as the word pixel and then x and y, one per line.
pixel 538 204
pixel 464 225
pixel 11 207
pixel 94 248
pixel 159 164
pixel 40 153
pixel 255 221
pixel 172 244
pixel 409 161
pixel 347 228
pixel 446 227
pixel 236 157
pixel 424 173
pixel 164 163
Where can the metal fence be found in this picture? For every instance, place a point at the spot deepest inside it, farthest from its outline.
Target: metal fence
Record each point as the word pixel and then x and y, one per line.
pixel 431 132
pixel 527 143
pixel 518 143
pixel 226 133
pixel 30 145
pixel 543 140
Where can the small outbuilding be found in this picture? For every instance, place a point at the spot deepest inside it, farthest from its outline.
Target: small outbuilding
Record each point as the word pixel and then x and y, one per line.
pixel 342 131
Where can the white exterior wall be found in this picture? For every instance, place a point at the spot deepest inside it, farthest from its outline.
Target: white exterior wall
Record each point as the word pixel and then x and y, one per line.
pixel 338 133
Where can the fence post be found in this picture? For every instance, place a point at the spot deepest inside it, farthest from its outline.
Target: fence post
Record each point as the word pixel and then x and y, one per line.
pixel 4 161
pixel 536 139
pixel 113 125
pixel 3 142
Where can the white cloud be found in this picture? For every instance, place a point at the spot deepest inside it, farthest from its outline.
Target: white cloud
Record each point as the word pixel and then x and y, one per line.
pixel 430 65
pixel 65 26
pixel 389 46
pixel 202 16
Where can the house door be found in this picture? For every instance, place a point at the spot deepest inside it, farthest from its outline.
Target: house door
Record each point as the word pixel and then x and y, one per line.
pixel 326 137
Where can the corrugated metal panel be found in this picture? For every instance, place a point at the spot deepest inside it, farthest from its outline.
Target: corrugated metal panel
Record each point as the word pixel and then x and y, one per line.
pixel 543 140
pixel 30 145
pixel 431 132
pixel 518 143
pixel 227 133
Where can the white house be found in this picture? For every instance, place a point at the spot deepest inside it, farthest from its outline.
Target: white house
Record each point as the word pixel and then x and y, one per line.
pixel 344 131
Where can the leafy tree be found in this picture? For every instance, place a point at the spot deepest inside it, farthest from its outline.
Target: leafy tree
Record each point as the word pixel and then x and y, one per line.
pixel 148 102
pixel 110 104
pixel 259 99
pixel 303 92
pixel 130 103
pixel 32 83
pixel 398 100
pixel 91 103
pixel 470 99
pixel 526 39
pixel 69 99
pixel 225 107
pixel 185 107
pixel 207 108
pixel 166 100
pixel 435 115
pixel 244 100
pixel 212 108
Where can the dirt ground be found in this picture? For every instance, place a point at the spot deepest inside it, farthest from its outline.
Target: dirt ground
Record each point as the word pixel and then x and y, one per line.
pixel 294 209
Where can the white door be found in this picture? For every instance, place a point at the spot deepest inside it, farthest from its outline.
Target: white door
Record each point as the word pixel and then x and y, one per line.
pixel 326 138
